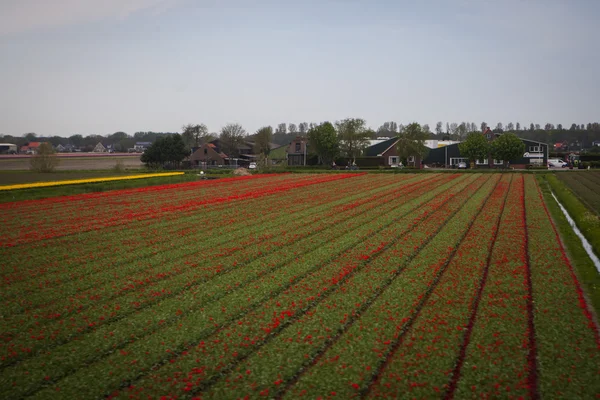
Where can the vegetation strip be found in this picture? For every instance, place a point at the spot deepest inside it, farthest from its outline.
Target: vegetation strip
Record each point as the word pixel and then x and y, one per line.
pixel 474 308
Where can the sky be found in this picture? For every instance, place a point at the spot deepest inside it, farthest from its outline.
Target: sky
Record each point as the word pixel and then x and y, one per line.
pixel 97 67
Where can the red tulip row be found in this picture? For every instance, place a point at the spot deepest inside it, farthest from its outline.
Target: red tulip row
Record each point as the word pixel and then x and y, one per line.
pixel 73 223
pixel 126 243
pixel 242 289
pixel 109 299
pixel 277 337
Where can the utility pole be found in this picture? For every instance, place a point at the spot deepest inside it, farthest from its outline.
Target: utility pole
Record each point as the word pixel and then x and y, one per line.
pixel 303 142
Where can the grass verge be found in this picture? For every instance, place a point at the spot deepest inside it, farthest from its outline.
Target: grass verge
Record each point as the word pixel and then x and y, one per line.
pixel 588 275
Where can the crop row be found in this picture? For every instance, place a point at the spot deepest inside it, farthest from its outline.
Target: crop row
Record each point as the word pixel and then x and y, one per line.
pixel 187 303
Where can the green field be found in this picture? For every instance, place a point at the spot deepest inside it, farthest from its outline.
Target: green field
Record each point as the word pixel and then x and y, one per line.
pixel 339 285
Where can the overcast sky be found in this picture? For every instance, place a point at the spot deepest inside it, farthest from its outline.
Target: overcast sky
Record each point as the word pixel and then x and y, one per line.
pixel 96 67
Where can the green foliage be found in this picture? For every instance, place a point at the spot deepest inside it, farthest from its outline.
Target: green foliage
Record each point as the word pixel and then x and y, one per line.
pixel 262 141
pixel 232 136
pixel 324 141
pixel 353 136
pixel 196 135
pixel 45 160
pixel 507 147
pixel 476 147
pixel 166 151
pixel 411 142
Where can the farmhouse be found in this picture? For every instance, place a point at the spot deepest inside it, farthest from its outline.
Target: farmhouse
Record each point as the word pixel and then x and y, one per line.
pixel 384 149
pixel 31 147
pixel 99 148
pixel 208 154
pixel 297 151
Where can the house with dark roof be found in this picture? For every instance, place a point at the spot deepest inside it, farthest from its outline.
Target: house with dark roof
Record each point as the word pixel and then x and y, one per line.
pixel 208 155
pixel 385 149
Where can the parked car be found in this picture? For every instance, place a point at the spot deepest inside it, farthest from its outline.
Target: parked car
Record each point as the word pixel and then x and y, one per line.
pixel 557 163
pixel 462 165
pixel 252 165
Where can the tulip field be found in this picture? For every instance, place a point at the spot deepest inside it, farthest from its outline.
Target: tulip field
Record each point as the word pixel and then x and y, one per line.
pixel 341 285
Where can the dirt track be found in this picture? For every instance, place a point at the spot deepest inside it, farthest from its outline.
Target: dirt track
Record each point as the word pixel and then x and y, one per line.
pixel 75 162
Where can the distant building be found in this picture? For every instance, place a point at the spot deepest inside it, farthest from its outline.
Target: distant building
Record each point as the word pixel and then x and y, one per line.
pixel 140 147
pixel 31 147
pixel 297 151
pixel 536 153
pixel 8 148
pixel 99 148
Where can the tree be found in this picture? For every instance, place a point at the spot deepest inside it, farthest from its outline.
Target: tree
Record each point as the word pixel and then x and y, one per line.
pixel 292 128
pixel 231 137
pixel 518 126
pixel 166 151
pixel 76 140
pixel 45 160
pixel 483 126
pixel 411 142
pixel 303 128
pixel 573 127
pixel 438 128
pixel 425 128
pixel 324 141
pixel 281 128
pixel 499 126
pixel 262 141
pixel 387 129
pixel 353 136
pixel 559 127
pixel 453 128
pixel 510 127
pixel 537 127
pixel 548 126
pixel 31 137
pixel 196 135
pixel 507 147
pixel 461 131
pixel 475 147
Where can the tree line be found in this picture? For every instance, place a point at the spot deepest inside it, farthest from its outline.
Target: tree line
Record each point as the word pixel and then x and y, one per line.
pixel 575 137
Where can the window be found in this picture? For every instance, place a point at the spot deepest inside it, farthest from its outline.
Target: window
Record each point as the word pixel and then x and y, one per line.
pixel 205 150
pixel 393 160
pixel 498 162
pixel 297 147
pixel 535 149
pixel 482 162
pixel 456 161
pixel 411 159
